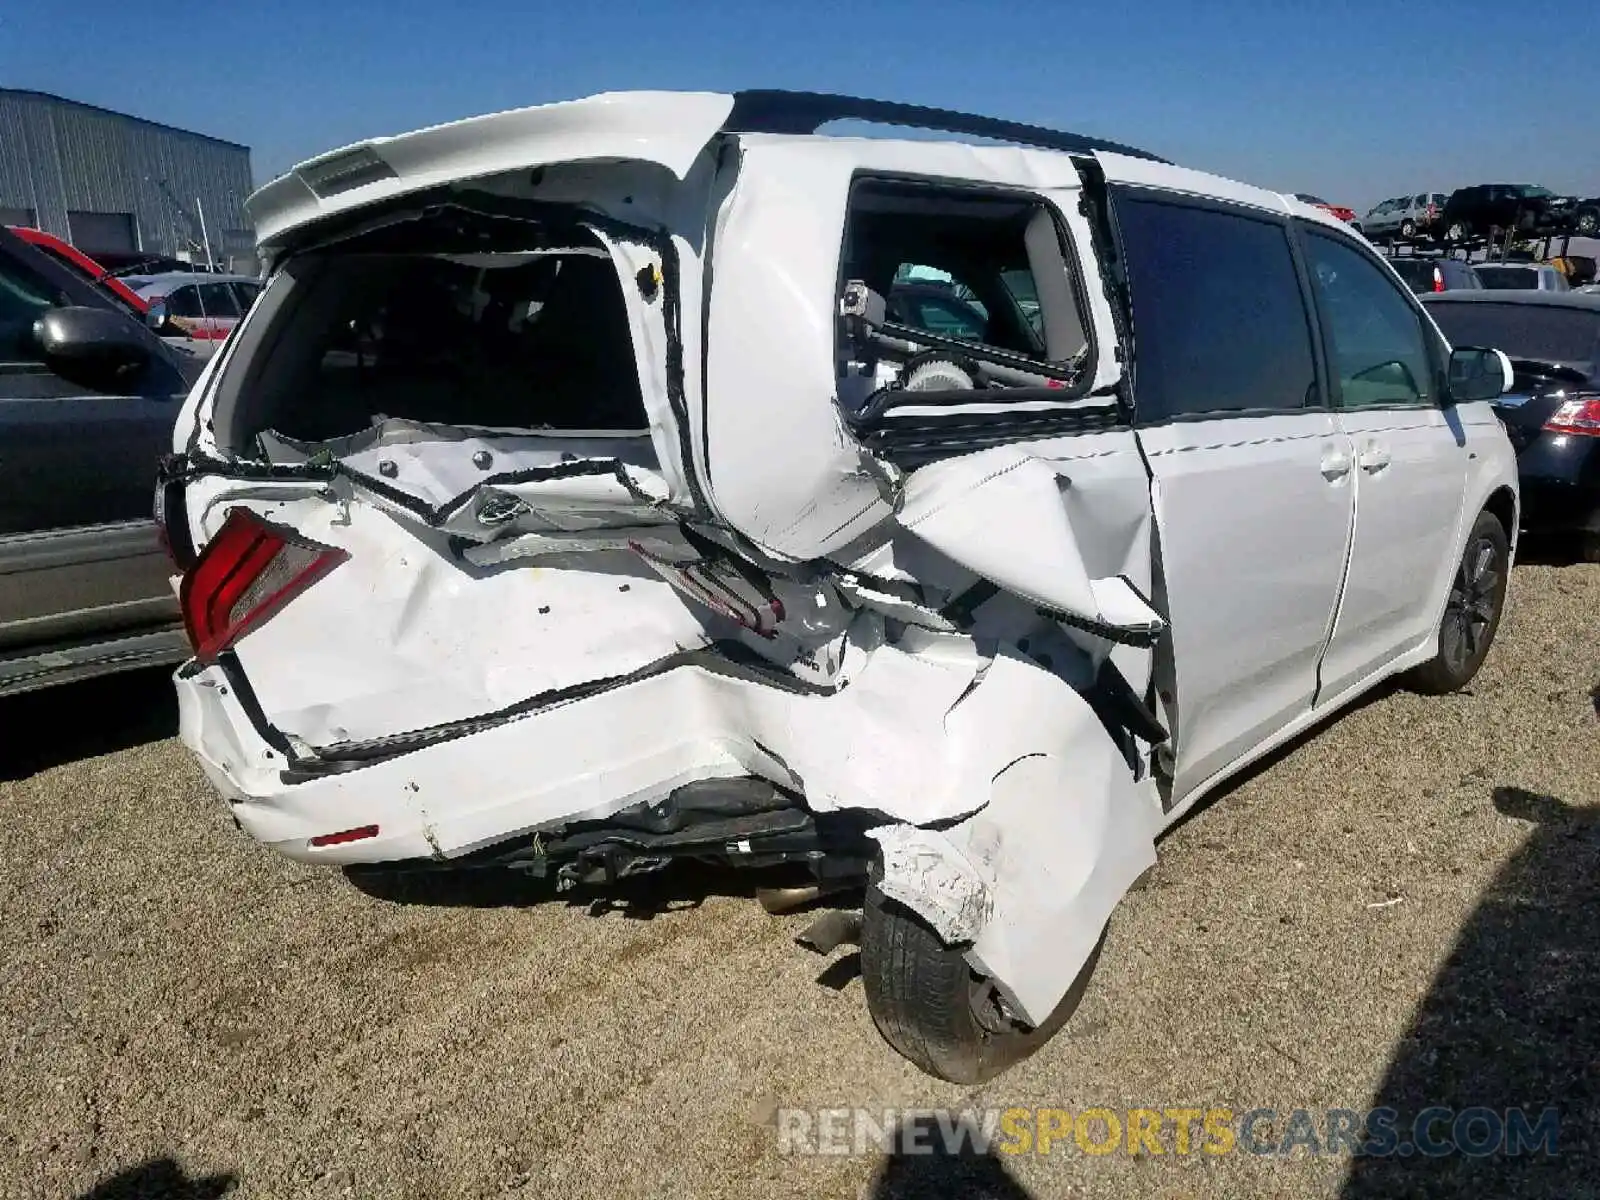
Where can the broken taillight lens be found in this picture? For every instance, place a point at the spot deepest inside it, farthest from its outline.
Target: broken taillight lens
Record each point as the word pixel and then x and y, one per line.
pixel 171 516
pixel 1580 416
pixel 244 576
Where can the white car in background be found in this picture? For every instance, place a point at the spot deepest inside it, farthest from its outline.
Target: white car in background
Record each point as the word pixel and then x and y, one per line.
pixel 570 502
pixel 195 311
pixel 1521 277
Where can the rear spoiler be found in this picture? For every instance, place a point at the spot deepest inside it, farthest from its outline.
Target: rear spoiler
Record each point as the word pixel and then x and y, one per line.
pixel 669 129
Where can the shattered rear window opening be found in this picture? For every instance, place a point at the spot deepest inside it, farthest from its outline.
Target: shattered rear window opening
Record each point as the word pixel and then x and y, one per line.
pixel 513 334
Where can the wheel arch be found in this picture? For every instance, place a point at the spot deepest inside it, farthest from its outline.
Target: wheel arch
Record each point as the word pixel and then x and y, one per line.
pixel 1501 503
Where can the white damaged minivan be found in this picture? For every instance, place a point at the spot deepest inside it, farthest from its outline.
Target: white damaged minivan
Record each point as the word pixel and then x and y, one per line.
pixel 650 477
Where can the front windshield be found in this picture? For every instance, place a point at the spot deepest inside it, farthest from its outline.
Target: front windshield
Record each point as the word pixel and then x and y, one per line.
pixel 1537 331
pixel 1533 192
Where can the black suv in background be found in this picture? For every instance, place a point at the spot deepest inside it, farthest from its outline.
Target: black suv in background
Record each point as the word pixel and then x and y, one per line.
pixel 1486 209
pixel 88 398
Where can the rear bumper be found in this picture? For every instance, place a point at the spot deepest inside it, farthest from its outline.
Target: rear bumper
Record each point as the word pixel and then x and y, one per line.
pixel 915 737
pixel 1560 484
pixel 1550 506
pixel 579 760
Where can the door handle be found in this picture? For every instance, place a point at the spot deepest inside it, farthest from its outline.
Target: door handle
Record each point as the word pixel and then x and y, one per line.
pixel 1374 457
pixel 1335 464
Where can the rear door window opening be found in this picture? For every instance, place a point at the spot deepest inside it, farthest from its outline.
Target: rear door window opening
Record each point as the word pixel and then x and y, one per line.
pixel 988 276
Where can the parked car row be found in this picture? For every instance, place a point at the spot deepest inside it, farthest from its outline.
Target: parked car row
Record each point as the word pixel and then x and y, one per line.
pixel 1479 212
pixel 480 566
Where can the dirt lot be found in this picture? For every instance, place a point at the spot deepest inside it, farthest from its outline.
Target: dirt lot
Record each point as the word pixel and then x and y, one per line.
pixel 1400 911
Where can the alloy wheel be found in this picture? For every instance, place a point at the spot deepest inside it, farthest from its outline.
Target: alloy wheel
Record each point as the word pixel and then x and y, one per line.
pixel 1470 611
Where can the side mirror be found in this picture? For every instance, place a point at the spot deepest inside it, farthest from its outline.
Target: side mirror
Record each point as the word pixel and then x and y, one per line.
pixel 99 347
pixel 156 317
pixel 1478 373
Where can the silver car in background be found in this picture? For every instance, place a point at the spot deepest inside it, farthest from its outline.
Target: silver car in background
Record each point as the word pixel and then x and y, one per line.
pixel 1522 277
pixel 1403 217
pixel 196 311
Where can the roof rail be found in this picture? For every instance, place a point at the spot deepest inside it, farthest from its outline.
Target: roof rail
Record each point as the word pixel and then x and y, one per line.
pixel 770 111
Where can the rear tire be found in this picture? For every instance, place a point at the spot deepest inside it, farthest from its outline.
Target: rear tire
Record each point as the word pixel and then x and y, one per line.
pixel 1472 611
pixel 1587 223
pixel 934 1009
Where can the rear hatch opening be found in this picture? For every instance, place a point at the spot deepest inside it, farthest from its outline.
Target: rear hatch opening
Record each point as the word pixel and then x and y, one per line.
pixel 450 317
pixel 443 399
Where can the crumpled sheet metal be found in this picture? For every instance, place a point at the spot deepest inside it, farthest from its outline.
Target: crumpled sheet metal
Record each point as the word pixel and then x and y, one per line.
pixel 1062 834
pixel 927 873
pixel 1000 513
pixel 453 477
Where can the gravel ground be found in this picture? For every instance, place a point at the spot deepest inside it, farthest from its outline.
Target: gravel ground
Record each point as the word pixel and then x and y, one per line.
pixel 181 1011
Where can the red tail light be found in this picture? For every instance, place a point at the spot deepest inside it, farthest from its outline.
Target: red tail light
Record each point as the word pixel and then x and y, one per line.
pixel 245 575
pixel 1580 416
pixel 1438 280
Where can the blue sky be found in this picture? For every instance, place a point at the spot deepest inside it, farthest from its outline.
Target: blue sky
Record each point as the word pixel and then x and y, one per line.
pixel 1354 102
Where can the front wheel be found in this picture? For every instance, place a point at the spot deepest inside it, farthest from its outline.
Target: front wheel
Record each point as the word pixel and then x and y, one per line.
pixel 1471 612
pixel 1588 222
pixel 1408 230
pixel 932 1007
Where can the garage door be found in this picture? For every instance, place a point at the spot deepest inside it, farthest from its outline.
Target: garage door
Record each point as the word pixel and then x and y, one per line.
pixel 102 231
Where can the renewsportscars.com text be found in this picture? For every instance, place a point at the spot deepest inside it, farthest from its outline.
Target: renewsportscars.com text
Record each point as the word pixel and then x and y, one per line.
pixel 1377 1132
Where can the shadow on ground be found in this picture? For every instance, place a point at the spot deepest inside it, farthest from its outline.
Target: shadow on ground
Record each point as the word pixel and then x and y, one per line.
pixel 81 720
pixel 925 1166
pixel 684 884
pixel 159 1179
pixel 1511 1021
pixel 1552 550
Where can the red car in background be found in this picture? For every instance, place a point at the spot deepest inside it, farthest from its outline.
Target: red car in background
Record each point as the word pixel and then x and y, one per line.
pixel 1347 215
pixel 76 260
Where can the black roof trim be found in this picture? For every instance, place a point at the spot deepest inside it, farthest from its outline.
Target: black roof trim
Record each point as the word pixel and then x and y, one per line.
pixel 111 112
pixel 769 111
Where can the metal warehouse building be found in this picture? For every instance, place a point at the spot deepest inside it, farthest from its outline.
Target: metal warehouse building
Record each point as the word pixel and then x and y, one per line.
pixel 110 182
